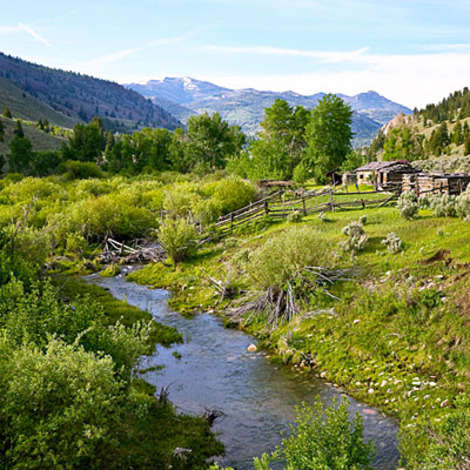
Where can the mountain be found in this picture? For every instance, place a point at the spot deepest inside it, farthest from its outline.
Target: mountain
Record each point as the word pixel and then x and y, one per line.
pixel 65 98
pixel 186 96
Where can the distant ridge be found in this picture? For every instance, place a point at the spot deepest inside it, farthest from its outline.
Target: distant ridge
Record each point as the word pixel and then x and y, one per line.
pixel 75 97
pixel 187 96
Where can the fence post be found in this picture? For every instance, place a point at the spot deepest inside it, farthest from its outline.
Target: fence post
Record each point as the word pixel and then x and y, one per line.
pixel 266 207
pixel 231 222
pixel 332 201
pixel 304 207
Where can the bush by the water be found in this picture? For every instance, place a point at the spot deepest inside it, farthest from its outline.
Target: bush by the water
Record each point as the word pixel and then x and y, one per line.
pixel 323 438
pixel 285 255
pixel 178 238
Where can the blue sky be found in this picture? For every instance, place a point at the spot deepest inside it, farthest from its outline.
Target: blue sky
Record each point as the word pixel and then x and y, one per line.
pixel 414 51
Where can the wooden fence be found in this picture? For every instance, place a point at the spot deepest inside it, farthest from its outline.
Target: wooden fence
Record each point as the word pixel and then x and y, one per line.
pixel 280 205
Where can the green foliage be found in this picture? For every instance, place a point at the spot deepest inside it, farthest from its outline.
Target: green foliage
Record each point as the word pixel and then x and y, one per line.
pixel 212 140
pixel 178 238
pixel 328 135
pixel 352 161
pixel 282 257
pixel 82 170
pixel 301 173
pixel 408 204
pixel 280 146
pixel 60 410
pixel 324 439
pixel 402 144
pixel 20 154
pixel 87 142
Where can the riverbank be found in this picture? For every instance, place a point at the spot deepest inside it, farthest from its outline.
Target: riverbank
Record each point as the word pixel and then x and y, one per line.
pixel 396 339
pixel 154 440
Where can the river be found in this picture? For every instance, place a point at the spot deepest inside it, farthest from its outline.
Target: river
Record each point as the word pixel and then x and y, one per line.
pixel 258 398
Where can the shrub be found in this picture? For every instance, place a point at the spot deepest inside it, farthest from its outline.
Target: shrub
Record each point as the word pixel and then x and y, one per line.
pixel 463 204
pixel 393 243
pixel 61 409
pixel 295 216
pixel 443 205
pixel 284 255
pixel 323 438
pixel 408 204
pixel 357 237
pixel 82 170
pixel 178 238
pixel 301 173
pixel 363 219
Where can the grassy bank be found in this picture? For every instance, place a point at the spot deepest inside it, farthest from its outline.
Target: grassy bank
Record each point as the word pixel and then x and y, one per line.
pixel 150 441
pixel 397 338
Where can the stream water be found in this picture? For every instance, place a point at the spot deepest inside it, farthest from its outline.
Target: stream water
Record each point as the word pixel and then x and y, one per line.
pixel 258 398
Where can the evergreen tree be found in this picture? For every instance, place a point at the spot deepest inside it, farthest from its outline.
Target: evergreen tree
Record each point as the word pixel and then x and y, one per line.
pixel 2 131
pixel 20 154
pixel 466 148
pixel 18 129
pixel 7 113
pixel 457 135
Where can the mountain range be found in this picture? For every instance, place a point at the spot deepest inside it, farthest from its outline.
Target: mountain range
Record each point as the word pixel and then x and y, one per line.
pixel 185 97
pixel 34 92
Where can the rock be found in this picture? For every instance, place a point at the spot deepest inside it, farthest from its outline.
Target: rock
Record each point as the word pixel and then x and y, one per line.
pixel 252 348
pixel 445 403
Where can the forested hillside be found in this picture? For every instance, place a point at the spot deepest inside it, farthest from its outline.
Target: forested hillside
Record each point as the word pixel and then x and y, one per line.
pixel 80 97
pixel 438 130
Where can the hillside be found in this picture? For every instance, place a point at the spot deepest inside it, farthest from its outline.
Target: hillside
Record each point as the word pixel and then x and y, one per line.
pixel 40 140
pixel 78 97
pixel 24 106
pixel 186 96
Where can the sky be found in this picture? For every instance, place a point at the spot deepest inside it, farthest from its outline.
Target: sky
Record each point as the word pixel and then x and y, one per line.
pixel 411 51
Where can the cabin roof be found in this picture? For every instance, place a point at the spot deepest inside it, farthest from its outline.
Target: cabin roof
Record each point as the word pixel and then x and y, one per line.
pixel 377 166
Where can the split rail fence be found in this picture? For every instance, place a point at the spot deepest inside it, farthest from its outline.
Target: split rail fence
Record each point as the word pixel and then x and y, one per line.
pixel 281 204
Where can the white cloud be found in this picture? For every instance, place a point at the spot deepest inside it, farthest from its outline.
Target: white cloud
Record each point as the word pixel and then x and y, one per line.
pixel 27 29
pixel 24 28
pixel 411 79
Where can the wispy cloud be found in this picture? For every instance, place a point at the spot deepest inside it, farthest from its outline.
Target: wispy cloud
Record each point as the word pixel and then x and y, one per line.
pixel 325 56
pixel 117 56
pixel 24 28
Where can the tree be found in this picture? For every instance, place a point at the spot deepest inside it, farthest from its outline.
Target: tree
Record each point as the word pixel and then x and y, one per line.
pixel 87 142
pixel 7 113
pixel 328 135
pixel 280 146
pixel 457 135
pixel 18 129
pixel 2 131
pixel 20 154
pixel 212 141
